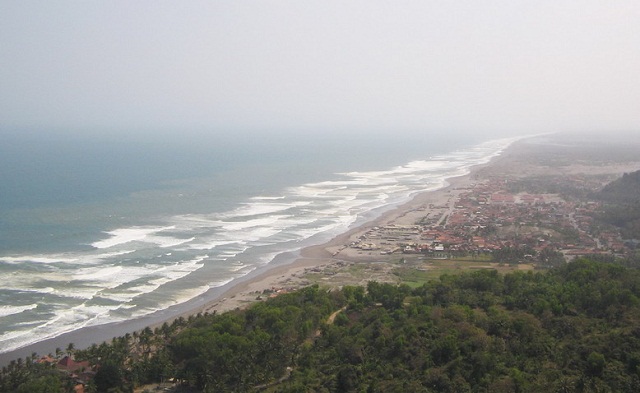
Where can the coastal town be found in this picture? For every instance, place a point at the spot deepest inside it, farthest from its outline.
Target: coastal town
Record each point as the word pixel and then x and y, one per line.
pixel 530 209
pixel 485 218
pixel 494 219
pixel 502 216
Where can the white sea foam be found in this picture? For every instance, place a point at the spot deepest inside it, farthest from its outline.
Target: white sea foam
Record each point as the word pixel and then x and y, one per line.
pixel 258 234
pixel 77 317
pixel 38 259
pixel 64 321
pixel 17 338
pixel 103 274
pixel 267 198
pixel 108 255
pixel 308 191
pixel 195 221
pixel 257 222
pixel 10 310
pixel 53 259
pixel 262 208
pixel 210 244
pixel 333 184
pixel 177 298
pixel 216 284
pixel 18 289
pixel 127 235
pixel 155 280
pixel 235 268
pixel 255 231
pixel 34 323
pixel 166 242
pixel 303 234
pixel 126 295
pixel 104 282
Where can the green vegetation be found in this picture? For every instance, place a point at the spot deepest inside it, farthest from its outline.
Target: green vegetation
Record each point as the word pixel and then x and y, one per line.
pixel 571 329
pixel 625 190
pixel 570 189
pixel 416 275
pixel 621 208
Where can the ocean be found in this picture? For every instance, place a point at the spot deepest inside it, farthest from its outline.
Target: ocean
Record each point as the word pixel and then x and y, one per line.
pixel 100 229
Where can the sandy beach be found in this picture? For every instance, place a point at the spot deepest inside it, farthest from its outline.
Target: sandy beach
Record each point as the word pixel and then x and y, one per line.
pixel 283 274
pixel 519 159
pixel 288 272
pixel 291 275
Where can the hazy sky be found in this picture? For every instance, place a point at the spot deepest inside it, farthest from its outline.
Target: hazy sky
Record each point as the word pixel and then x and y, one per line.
pixel 267 65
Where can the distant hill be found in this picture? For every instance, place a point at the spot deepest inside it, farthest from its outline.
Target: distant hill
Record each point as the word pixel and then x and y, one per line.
pixel 625 190
pixel 621 200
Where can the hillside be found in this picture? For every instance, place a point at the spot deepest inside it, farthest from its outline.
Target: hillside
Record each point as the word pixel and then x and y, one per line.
pixel 625 190
pixel 621 204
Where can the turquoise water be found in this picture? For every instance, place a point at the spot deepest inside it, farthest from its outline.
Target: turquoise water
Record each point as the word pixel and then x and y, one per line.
pixel 96 230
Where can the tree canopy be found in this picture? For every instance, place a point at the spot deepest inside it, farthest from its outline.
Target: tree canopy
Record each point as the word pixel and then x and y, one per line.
pixel 575 328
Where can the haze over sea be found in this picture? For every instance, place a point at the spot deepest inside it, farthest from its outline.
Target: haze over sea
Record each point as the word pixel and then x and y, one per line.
pixel 94 231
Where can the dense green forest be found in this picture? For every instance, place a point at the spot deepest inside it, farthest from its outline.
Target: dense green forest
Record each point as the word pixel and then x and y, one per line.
pixel 575 328
pixel 625 190
pixel 621 208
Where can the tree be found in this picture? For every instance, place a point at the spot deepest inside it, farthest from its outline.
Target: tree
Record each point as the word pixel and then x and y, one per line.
pixel 70 349
pixel 595 364
pixel 109 376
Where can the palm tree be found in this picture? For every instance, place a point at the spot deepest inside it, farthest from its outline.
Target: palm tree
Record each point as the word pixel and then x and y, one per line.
pixel 145 340
pixel 70 349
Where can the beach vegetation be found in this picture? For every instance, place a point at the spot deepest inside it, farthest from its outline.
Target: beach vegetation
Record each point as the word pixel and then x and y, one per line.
pixel 572 328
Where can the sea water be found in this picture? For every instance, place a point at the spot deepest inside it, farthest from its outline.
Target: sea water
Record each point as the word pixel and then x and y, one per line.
pixel 95 230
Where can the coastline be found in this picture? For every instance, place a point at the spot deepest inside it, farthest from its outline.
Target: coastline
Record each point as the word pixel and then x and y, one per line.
pixel 285 272
pixel 289 273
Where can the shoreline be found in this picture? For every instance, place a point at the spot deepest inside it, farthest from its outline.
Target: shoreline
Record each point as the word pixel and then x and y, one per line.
pixel 285 271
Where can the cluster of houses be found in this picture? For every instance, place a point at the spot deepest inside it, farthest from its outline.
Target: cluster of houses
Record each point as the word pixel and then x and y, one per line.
pixel 486 218
pixel 79 372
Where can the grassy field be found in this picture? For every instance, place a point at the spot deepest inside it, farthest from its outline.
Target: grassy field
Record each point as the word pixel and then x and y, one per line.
pixel 415 276
pixel 413 270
